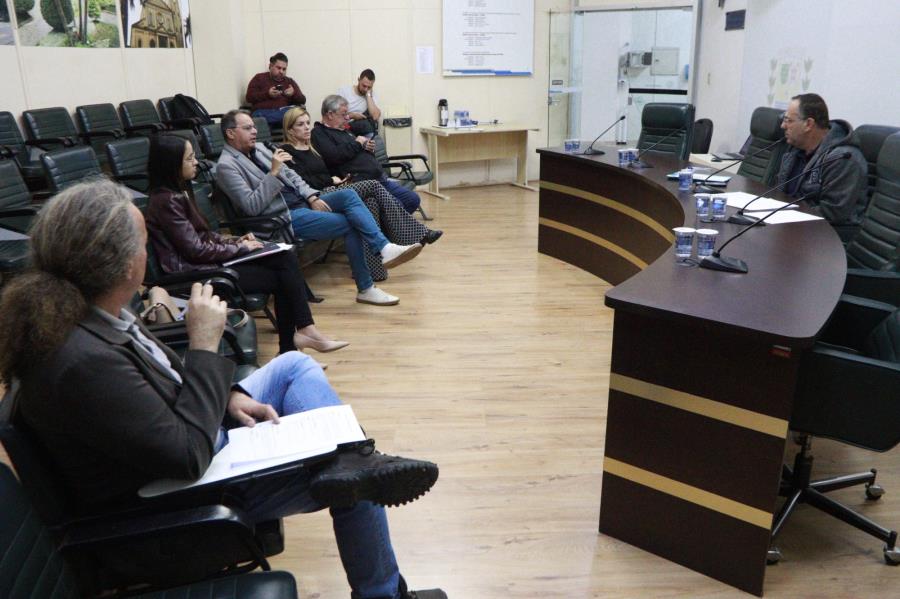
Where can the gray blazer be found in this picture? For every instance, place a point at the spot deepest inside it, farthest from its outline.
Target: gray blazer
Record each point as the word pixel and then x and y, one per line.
pixel 113 420
pixel 251 192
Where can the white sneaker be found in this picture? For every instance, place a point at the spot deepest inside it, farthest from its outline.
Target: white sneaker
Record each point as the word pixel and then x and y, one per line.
pixel 375 296
pixel 394 255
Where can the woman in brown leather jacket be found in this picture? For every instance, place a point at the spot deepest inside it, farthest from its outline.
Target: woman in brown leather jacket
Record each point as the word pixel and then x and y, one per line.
pixel 183 241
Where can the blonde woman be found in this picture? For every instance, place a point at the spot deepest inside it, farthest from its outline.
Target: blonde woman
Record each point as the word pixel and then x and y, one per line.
pixel 396 224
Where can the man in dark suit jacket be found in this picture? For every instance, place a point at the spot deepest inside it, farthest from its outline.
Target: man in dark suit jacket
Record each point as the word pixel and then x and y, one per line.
pixel 115 409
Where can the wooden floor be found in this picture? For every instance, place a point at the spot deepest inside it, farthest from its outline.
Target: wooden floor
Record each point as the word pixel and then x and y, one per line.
pixel 495 365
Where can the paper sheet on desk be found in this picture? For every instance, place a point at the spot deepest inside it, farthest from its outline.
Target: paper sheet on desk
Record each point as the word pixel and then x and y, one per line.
pixel 739 199
pixel 785 216
pixel 297 437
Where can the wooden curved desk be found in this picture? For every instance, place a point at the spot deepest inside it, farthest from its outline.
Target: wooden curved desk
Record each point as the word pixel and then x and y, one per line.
pixel 704 363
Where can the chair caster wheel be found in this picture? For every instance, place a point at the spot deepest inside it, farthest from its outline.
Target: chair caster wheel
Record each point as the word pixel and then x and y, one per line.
pixel 874 492
pixel 773 556
pixel 891 556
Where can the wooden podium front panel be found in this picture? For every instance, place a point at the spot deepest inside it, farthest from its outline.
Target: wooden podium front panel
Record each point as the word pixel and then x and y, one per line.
pixel 696 426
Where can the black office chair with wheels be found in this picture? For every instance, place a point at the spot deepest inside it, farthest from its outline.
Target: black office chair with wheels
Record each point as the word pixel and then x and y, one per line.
pixel 870 139
pixel 873 255
pixel 847 391
pixel 703 130
pixel 140 118
pixel 661 119
pixel 765 129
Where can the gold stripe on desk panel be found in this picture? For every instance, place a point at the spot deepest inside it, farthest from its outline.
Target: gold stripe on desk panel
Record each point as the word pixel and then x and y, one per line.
pixel 694 495
pixel 637 215
pixel 604 243
pixel 769 425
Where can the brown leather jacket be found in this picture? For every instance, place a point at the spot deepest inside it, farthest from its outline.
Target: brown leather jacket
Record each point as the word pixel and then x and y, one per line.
pixel 181 237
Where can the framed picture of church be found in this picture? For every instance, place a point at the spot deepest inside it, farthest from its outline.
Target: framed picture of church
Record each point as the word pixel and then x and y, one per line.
pixel 66 23
pixel 156 23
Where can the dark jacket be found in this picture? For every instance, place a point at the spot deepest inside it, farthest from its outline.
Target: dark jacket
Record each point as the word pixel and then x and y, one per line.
pixel 181 237
pixel 112 420
pixel 343 154
pixel 837 190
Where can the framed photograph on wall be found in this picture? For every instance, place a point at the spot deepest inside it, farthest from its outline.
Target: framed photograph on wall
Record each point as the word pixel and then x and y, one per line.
pixel 67 23
pixel 156 23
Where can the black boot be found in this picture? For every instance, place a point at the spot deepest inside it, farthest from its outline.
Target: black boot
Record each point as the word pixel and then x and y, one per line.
pixel 359 473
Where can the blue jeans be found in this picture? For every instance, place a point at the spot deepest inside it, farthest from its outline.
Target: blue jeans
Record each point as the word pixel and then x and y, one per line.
pixel 349 217
pixel 273 116
pixel 407 197
pixel 294 382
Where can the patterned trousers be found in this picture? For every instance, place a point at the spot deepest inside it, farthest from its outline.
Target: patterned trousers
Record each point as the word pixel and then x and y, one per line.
pixel 395 222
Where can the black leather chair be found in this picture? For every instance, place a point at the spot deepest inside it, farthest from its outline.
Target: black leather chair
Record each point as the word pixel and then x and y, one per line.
pixel 69 166
pixel 16 213
pixel 400 167
pixel 847 391
pixel 263 131
pixel 703 130
pixel 17 209
pixel 870 139
pixel 140 117
pixel 34 567
pixel 26 154
pixel 127 159
pixel 53 129
pixel 660 119
pixel 765 128
pixel 212 141
pixel 873 255
pixel 100 118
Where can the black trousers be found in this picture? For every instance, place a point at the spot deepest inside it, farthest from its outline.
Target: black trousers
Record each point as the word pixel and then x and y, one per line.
pixel 279 275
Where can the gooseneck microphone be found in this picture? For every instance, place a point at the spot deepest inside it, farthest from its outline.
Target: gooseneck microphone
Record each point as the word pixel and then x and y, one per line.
pixel 728 166
pixel 739 218
pixel 637 161
pixel 724 263
pixel 590 151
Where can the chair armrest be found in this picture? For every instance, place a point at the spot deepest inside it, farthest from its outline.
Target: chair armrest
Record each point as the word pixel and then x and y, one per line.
pixel 148 127
pixel 7 152
pixel 184 122
pixel 66 142
pixel 882 285
pixel 29 211
pixel 105 529
pixel 853 319
pixel 169 546
pixel 848 397
pixel 218 115
pixel 421 157
pixel 113 133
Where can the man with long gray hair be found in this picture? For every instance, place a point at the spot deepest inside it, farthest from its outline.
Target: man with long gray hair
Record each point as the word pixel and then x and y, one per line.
pixel 115 409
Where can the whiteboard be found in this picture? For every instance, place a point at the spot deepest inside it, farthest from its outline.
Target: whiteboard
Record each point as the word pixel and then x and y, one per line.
pixel 488 37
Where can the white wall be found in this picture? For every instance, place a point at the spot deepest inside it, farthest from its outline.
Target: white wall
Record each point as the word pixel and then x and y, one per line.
pixel 719 76
pixel 328 42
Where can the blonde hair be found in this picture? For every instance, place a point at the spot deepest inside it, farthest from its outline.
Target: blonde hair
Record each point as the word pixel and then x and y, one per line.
pixel 290 119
